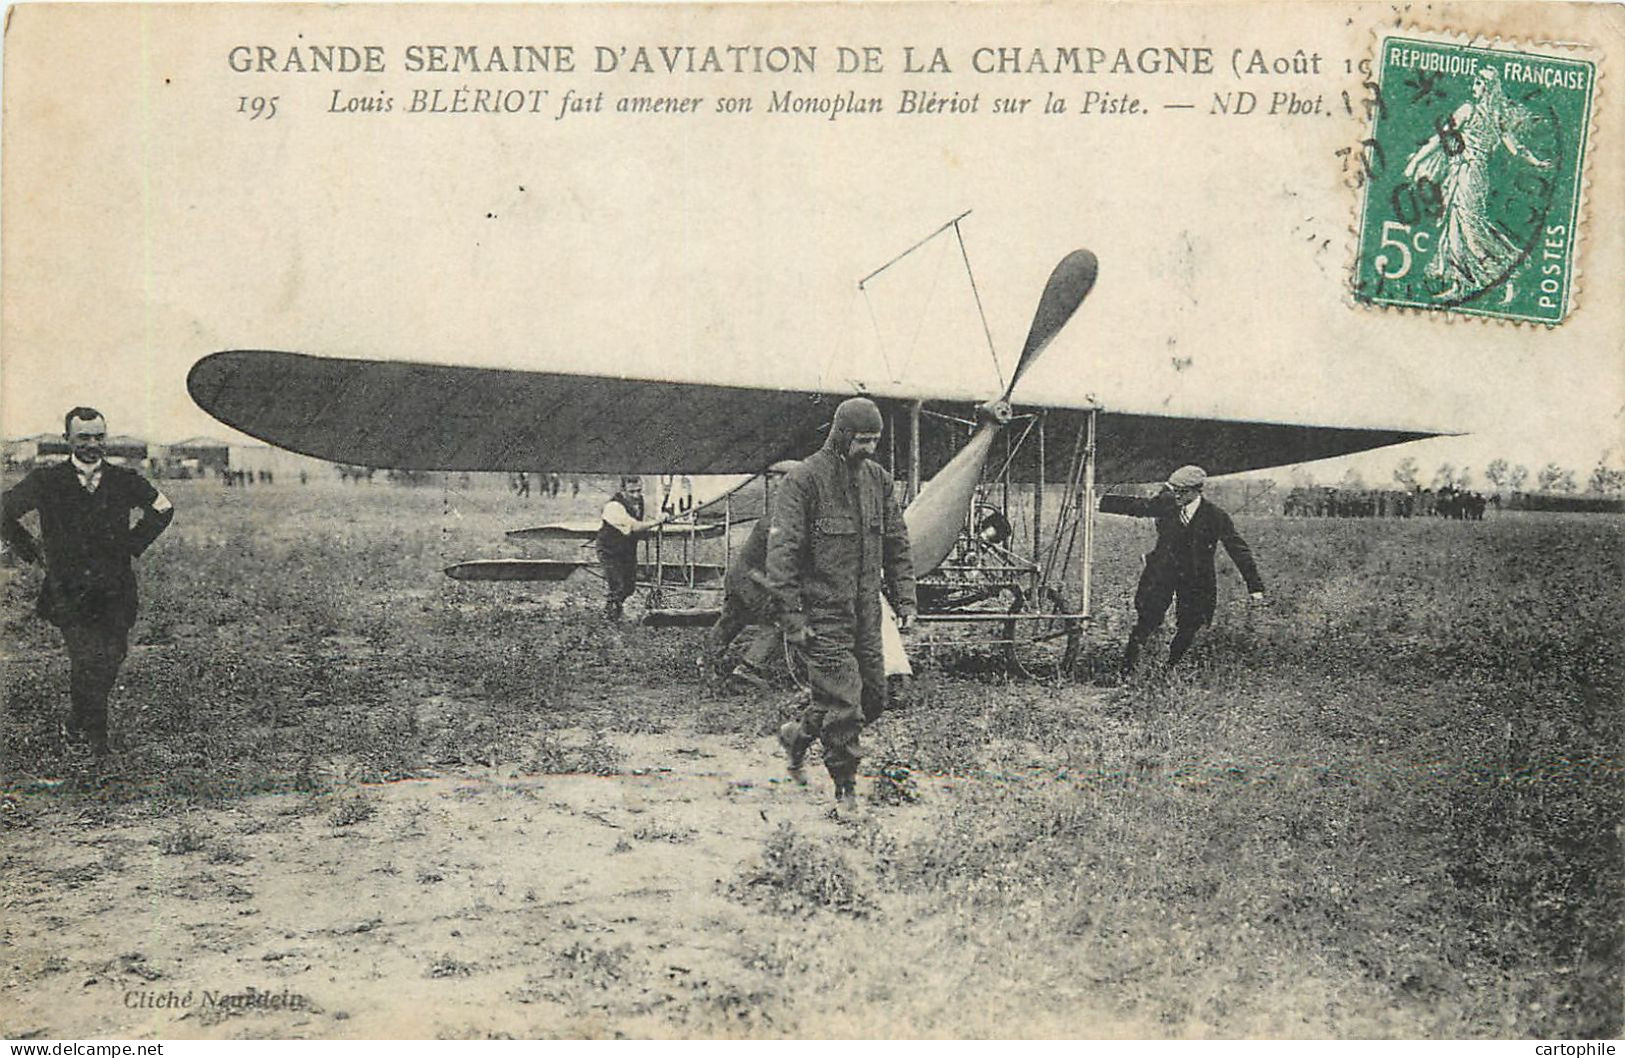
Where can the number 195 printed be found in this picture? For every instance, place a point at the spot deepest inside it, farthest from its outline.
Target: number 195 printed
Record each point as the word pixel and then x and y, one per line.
pixel 257 107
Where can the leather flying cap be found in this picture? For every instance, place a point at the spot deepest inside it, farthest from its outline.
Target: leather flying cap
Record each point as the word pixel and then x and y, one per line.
pixel 858 415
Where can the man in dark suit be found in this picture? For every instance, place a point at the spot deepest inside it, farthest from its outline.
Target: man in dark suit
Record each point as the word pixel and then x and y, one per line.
pixel 84 506
pixel 1180 567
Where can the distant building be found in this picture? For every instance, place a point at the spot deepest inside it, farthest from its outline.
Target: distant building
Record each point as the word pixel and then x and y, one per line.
pixel 26 452
pixel 209 457
pixel 196 457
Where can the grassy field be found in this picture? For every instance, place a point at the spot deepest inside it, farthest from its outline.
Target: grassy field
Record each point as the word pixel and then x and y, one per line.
pixel 1388 804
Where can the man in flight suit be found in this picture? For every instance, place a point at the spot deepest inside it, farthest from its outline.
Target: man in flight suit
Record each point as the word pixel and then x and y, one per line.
pixel 837 537
pixel 89 592
pixel 1189 528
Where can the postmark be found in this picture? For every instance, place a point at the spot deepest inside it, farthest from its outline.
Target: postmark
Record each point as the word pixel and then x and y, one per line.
pixel 1476 167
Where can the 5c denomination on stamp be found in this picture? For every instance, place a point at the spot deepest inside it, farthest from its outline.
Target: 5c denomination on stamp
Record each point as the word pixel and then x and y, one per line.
pixel 1477 160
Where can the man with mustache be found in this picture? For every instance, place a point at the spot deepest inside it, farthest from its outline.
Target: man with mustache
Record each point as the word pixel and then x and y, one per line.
pixel 84 506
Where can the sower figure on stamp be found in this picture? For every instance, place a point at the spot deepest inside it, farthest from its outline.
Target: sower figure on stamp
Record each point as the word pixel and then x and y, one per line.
pixel 1474 252
pixel 747 604
pixel 617 544
pixel 837 537
pixel 1180 566
pixel 89 592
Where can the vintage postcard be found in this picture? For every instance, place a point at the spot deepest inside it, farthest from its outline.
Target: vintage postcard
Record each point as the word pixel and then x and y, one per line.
pixel 812 520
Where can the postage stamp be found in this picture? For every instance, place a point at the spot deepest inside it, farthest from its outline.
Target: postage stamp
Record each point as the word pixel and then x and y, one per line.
pixel 1475 165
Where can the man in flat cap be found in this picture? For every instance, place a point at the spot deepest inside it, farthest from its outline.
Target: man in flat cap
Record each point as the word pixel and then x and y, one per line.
pixel 1180 568
pixel 84 506
pixel 837 538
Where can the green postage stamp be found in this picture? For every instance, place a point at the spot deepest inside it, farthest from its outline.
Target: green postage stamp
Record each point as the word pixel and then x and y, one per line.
pixel 1474 165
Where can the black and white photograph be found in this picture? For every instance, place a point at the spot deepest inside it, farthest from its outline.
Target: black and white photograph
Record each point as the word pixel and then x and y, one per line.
pixel 800 521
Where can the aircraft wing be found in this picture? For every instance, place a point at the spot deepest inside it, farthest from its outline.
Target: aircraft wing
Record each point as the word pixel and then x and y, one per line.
pixel 552 570
pixel 581 531
pixel 1134 447
pixel 557 532
pixel 439 417
pixel 525 569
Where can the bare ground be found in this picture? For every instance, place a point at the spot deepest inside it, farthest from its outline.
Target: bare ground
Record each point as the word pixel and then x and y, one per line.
pixel 494 903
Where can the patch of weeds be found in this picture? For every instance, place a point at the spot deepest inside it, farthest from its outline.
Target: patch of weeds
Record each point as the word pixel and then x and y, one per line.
pixel 74 877
pixel 776 959
pixel 307 778
pixel 895 784
pixel 15 814
pixel 735 1002
pixel 972 851
pixel 596 756
pixel 1029 716
pixel 134 963
pixel 798 876
pixel 949 737
pixel 643 724
pixel 309 805
pixel 673 836
pixel 411 826
pixel 183 839
pixel 352 810
pixel 595 966
pixel 227 852
pixel 726 716
pixel 446 966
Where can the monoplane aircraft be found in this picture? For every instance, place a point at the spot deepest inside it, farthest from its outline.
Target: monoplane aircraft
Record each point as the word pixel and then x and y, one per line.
pixel 609 423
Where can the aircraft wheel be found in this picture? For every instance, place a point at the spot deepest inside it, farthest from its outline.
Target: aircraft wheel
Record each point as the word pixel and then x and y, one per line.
pixel 1046 648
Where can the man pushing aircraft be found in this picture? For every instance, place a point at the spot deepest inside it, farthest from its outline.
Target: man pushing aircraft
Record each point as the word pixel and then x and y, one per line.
pixel 1180 567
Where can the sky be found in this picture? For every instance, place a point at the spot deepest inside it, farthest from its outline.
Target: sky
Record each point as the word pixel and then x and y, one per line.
pixel 150 221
